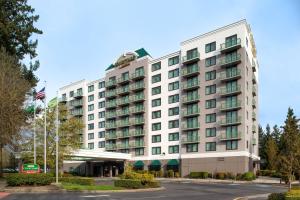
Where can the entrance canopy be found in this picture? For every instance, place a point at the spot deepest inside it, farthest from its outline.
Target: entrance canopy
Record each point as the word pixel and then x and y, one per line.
pixel 138 164
pixel 94 155
pixel 173 162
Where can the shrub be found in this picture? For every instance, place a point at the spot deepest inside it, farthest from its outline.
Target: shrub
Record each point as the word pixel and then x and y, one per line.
pixel 28 179
pixel 276 196
pixel 202 175
pixel 248 176
pixel 127 183
pixel 160 173
pixel 177 175
pixel 77 180
pixel 220 175
pixel 170 174
pixel 230 175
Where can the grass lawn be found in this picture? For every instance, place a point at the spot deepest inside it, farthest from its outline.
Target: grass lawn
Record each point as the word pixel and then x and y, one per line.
pixel 69 186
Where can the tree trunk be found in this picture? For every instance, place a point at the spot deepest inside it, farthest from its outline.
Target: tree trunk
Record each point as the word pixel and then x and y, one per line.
pixel 1 161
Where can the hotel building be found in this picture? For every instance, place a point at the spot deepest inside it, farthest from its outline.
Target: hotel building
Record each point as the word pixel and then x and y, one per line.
pixel 192 110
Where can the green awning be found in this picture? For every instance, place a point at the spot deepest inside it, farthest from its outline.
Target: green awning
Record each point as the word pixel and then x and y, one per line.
pixel 173 162
pixel 138 163
pixel 155 163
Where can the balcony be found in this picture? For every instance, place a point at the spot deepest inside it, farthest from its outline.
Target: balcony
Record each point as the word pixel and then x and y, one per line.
pixel 123 146
pixel 190 58
pixel 191 112
pixel 138 121
pixel 230 136
pixel 111 83
pixel 62 99
pixel 230 46
pixel 76 103
pixel 111 104
pixel 137 86
pixel 137 144
pixel 111 147
pixel 253 116
pixel 190 126
pixel 110 115
pixel 254 78
pixel 123 90
pixel 137 98
pixel 122 113
pixel 230 60
pixel 121 123
pixel 123 135
pixel 123 101
pixel 111 136
pixel 253 90
pixel 230 121
pixel 110 125
pixel 190 71
pixel 78 95
pixel 136 110
pixel 225 76
pixel 77 112
pixel 190 99
pixel 253 128
pixel 253 66
pixel 190 85
pixel 111 93
pixel 227 91
pixel 137 75
pixel 189 140
pixel 137 133
pixel 253 141
pixel 123 80
pixel 230 106
pixel 253 103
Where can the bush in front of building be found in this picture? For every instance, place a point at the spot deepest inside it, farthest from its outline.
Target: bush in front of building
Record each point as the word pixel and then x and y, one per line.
pixel 202 175
pixel 248 176
pixel 271 173
pixel 135 184
pixel 170 173
pixel 276 196
pixel 28 179
pixel 77 180
pixel 220 175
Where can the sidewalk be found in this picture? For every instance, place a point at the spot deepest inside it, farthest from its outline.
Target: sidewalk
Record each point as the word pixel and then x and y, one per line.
pixel 2 184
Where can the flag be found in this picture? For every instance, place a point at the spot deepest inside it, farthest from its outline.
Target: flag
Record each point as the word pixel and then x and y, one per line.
pixel 41 94
pixel 52 103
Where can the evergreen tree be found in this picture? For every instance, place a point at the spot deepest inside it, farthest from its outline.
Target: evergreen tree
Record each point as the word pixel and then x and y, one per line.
pixel 276 135
pixel 262 144
pixel 271 153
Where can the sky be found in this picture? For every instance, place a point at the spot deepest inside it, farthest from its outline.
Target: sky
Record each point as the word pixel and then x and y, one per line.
pixel 82 37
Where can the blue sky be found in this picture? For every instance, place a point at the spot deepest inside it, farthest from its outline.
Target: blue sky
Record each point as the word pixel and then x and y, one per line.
pixel 82 37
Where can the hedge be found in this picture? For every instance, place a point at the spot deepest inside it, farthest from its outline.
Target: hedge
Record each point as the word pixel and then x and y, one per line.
pixel 135 184
pixel 202 175
pixel 77 180
pixel 28 179
pixel 276 196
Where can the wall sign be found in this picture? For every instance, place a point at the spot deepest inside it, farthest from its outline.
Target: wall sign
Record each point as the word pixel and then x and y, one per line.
pixel 125 59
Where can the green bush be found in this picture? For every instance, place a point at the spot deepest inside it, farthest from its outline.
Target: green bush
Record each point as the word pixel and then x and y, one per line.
pixel 248 176
pixel 170 174
pixel 77 180
pixel 230 175
pixel 276 196
pixel 177 175
pixel 153 184
pixel 28 179
pixel 202 175
pixel 128 183
pixel 220 175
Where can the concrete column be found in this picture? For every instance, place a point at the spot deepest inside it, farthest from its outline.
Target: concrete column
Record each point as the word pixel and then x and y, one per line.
pixel 101 171
pixel 91 169
pixel 117 171
pixel 110 170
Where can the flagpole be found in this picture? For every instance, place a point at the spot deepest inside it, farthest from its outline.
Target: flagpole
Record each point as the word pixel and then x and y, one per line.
pixel 57 123
pixel 34 131
pixel 45 132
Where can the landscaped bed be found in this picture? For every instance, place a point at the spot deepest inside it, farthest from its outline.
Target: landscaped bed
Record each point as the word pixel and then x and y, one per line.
pixel 77 187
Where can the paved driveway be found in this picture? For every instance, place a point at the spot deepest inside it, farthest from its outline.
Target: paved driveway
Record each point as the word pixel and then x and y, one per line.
pixel 174 191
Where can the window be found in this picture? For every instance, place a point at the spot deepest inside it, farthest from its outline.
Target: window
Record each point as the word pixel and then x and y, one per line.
pixel 210 146
pixel 101 85
pixel 156 66
pixel 91 126
pixel 231 40
pixel 211 103
pixel 192 53
pixel 91 145
pixel 139 70
pixel 173 61
pixel 156 138
pixel 101 124
pixel 191 148
pixel 156 102
pixel 101 144
pixel 156 90
pixel 71 94
pixel 101 95
pixel 90 107
pixel 210 118
pixel 210 47
pixel 211 75
pixel 139 151
pixel 64 96
pixel 156 78
pixel 91 136
pixel 173 73
pixel 174 136
pixel 211 89
pixel 173 149
pixel 173 111
pixel 156 126
pixel 156 114
pixel 156 150
pixel 79 91
pixel 90 117
pixel 210 132
pixel 90 98
pixel 174 86
pixel 101 134
pixel 174 98
pixel 231 145
pixel 91 88
pixel 101 104
pixel 173 124
pixel 101 114
pixel 210 61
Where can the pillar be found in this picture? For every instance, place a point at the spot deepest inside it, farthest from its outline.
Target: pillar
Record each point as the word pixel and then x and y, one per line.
pixel 117 171
pixel 101 171
pixel 110 170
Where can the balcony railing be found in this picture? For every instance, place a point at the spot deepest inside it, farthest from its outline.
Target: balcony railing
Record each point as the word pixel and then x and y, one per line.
pixel 77 112
pixel 225 76
pixel 225 91
pixel 192 57
pixel 253 90
pixel 137 133
pixel 76 103
pixel 188 140
pixel 123 80
pixel 190 85
pixel 110 125
pixel 253 128
pixel 123 101
pixel 111 83
pixel 137 121
pixel 230 136
pixel 230 60
pixel 123 146
pixel 109 115
pixel 137 75
pixel 63 99
pixel 111 93
pixel 111 147
pixel 111 104
pixel 121 113
pixel 139 109
pixel 190 99
pixel 253 141
pixel 190 126
pixel 189 71
pixel 78 94
pixel 253 66
pixel 253 103
pixel 254 78
pixel 123 90
pixel 230 105
pixel 230 121
pixel 137 86
pixel 230 45
pixel 123 123
pixel 253 116
pixel 137 144
pixel 111 136
pixel 191 112
pixel 136 98
pixel 123 134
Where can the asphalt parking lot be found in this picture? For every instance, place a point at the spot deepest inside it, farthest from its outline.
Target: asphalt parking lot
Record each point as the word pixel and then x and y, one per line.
pixel 174 191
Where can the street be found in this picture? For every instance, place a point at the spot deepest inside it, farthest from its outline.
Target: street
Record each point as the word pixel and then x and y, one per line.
pixel 186 190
